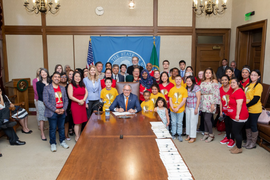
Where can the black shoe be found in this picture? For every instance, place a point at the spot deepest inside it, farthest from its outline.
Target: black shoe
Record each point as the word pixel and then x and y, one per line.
pixel 29 132
pixel 8 124
pixel 1 155
pixel 44 139
pixel 18 142
pixel 184 134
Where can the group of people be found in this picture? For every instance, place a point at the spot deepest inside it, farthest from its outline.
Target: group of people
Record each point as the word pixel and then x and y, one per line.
pixel 68 97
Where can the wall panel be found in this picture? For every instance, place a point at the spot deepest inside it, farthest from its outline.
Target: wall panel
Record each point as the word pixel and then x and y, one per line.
pixel 15 14
pixel 116 13
pixel 175 12
pixel 174 49
pixel 60 51
pixel 25 55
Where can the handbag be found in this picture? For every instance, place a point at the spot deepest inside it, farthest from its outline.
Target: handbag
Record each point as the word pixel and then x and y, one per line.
pixel 221 126
pixel 264 118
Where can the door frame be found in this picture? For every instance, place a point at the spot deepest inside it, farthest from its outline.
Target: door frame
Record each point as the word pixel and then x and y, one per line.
pixel 225 32
pixel 248 27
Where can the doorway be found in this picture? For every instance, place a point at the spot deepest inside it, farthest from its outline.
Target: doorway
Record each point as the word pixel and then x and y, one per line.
pixel 250 45
pixel 212 45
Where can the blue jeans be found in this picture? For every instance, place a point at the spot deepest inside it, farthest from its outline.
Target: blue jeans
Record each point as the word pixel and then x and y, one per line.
pixel 54 121
pixel 177 119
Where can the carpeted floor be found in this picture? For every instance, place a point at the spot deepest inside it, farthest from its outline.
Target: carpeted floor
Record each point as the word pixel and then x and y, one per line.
pixel 206 161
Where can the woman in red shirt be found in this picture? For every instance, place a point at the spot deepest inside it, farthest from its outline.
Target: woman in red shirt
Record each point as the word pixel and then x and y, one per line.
pixel 245 75
pixel 200 77
pixel 225 92
pixel 165 86
pixel 237 111
pixel 108 73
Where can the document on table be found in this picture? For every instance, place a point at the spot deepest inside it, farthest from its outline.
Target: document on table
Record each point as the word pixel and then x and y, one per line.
pixel 121 113
pixel 173 162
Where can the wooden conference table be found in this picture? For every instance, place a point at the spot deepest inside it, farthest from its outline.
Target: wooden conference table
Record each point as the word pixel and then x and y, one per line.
pixel 101 154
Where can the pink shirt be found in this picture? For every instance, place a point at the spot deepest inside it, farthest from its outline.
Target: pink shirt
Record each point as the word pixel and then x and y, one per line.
pixel 34 82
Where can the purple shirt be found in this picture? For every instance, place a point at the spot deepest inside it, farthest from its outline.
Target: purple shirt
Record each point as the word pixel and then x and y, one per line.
pixel 192 99
pixel 34 82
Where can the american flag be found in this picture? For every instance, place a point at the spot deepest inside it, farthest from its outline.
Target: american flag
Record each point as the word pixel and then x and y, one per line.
pixel 90 57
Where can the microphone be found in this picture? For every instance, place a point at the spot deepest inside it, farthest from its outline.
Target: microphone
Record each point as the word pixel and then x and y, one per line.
pixel 99 105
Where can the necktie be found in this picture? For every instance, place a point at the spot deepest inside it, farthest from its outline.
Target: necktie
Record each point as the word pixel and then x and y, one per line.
pixel 126 103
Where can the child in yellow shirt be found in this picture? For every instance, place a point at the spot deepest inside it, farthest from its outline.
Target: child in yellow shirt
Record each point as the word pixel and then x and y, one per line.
pixel 156 93
pixel 147 105
pixel 108 94
pixel 178 96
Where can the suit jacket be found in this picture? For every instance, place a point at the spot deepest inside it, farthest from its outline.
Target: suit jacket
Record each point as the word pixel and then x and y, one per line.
pixel 237 73
pixel 220 72
pixel 121 78
pixel 49 100
pixel 131 68
pixel 133 103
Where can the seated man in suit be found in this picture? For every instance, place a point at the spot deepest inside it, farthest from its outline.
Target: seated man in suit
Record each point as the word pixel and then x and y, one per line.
pixel 126 102
pixel 236 71
pixel 116 75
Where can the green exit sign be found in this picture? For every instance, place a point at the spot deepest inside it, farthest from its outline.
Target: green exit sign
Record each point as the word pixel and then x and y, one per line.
pixel 248 15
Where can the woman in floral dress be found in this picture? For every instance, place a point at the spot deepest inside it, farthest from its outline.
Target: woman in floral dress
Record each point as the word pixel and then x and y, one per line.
pixel 209 99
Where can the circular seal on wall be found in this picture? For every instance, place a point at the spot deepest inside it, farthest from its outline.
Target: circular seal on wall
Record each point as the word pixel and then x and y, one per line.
pixel 125 57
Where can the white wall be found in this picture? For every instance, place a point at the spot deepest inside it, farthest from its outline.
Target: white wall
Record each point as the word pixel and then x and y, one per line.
pixel 25 55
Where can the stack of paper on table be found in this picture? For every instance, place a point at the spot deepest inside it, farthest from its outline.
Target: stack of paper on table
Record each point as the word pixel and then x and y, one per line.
pixel 121 113
pixel 173 162
pixel 160 130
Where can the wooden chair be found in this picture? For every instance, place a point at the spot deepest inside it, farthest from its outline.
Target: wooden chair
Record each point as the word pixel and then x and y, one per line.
pixel 265 94
pixel 21 104
pixel 264 129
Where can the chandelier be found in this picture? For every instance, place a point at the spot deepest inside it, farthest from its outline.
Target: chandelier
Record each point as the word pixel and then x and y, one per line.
pixel 209 7
pixel 42 6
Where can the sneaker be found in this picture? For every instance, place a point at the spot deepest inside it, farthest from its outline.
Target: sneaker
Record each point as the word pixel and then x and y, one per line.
pixel 64 145
pixel 53 147
pixel 173 137
pixel 231 143
pixel 224 141
pixel 180 138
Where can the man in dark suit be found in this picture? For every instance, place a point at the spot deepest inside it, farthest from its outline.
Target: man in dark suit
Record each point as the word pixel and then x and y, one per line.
pixel 135 61
pixel 236 71
pixel 56 102
pixel 221 69
pixel 126 102
pixel 116 75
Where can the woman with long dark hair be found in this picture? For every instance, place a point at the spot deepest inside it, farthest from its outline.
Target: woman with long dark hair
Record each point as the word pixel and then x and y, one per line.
pixel 238 113
pixel 229 72
pixel 165 86
pixel 225 93
pixel 253 94
pixel 44 80
pixel 108 74
pixel 77 92
pixel 209 100
pixel 192 108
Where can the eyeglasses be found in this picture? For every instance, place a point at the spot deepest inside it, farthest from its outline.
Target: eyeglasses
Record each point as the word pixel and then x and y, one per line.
pixel 126 90
pixel 63 76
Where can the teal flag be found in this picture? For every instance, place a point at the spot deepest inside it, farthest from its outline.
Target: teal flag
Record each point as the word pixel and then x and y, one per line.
pixel 154 58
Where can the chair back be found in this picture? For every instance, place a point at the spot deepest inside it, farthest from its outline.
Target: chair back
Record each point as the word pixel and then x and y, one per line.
pixel 265 94
pixel 135 87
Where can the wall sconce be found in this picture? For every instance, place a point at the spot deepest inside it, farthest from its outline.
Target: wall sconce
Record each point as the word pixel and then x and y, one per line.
pixel 131 4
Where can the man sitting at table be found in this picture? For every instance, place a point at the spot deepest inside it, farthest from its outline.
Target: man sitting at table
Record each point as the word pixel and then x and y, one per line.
pixel 126 102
